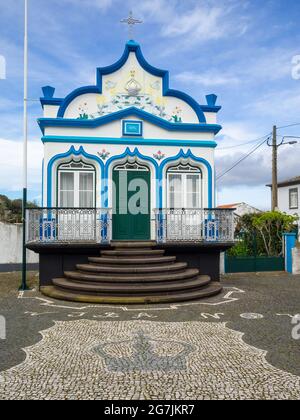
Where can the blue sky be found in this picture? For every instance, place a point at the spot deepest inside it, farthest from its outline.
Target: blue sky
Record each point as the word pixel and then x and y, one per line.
pixel 241 50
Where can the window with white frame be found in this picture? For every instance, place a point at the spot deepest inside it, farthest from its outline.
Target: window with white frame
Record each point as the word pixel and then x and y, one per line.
pixel 184 186
pixel 293 197
pixel 76 185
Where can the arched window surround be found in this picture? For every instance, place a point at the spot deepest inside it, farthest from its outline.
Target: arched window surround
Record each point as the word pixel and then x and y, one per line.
pixel 184 185
pixel 76 184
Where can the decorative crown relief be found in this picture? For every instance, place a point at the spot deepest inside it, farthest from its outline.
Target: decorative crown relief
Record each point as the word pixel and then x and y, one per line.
pixel 133 87
pixel 132 96
pixel 144 353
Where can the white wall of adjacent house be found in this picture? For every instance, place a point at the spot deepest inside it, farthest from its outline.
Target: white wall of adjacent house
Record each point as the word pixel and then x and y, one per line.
pixel 289 199
pixel 296 260
pixel 11 245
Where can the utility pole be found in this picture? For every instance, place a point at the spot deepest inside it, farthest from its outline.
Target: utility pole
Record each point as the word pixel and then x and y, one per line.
pixel 25 152
pixel 275 146
pixel 274 170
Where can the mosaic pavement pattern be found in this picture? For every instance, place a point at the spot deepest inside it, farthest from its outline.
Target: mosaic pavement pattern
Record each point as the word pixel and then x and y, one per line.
pixel 145 360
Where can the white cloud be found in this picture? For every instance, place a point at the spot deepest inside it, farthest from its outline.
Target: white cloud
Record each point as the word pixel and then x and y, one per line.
pixel 255 171
pixel 282 104
pixel 259 66
pixel 11 165
pixel 7 104
pixel 100 4
pixel 192 22
pixel 203 22
pixel 239 132
pixel 246 182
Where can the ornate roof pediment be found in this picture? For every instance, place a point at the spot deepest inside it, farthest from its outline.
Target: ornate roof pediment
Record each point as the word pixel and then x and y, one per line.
pixel 131 83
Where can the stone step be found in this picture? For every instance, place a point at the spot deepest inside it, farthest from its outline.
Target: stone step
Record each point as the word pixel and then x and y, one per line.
pixel 133 244
pixel 126 290
pixel 133 278
pixel 131 260
pixel 93 268
pixel 133 252
pixel 211 290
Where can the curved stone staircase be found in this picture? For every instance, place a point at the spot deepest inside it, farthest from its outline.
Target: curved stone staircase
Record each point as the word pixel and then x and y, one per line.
pixel 132 273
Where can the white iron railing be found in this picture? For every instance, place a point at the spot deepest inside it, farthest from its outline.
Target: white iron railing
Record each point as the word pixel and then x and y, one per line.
pixel 66 225
pixel 71 225
pixel 194 225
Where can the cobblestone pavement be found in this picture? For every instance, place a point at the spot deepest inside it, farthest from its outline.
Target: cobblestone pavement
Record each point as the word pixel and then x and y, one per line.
pixel 238 345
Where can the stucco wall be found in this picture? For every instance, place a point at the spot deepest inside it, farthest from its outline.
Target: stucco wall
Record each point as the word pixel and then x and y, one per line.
pixel 296 260
pixel 11 245
pixel 284 201
pixel 54 149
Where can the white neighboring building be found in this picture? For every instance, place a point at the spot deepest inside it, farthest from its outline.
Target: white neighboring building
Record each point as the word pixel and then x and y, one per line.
pixel 288 196
pixel 240 209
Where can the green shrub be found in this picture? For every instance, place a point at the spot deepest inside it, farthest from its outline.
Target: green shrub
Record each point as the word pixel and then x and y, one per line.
pixel 261 233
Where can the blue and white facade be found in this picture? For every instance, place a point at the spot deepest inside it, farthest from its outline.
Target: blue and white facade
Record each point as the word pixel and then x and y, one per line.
pixel 129 117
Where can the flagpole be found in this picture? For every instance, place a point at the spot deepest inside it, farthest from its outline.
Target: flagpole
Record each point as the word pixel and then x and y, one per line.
pixel 25 150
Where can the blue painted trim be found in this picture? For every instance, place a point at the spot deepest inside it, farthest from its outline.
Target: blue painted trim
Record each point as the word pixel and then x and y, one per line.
pixel 207 108
pixel 128 153
pixel 77 92
pixel 290 243
pixel 130 141
pixel 215 188
pixel 97 122
pixel 105 171
pixel 42 201
pixel 139 123
pixel 48 98
pixel 183 155
pixel 71 152
pixel 48 92
pixel 132 46
pixel 53 102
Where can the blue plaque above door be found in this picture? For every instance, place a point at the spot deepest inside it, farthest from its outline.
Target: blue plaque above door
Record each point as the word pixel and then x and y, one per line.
pixel 132 128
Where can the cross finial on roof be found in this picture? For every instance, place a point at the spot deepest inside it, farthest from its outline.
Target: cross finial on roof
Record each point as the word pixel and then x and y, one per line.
pixel 131 21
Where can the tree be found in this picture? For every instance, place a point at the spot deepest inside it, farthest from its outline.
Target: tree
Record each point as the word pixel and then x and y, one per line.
pixel 261 234
pixel 271 226
pixel 11 210
pixel 250 241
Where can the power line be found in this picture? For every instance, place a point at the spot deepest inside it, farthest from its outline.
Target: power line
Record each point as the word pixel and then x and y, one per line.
pixel 288 126
pixel 243 158
pixel 265 139
pixel 243 144
pixel 258 139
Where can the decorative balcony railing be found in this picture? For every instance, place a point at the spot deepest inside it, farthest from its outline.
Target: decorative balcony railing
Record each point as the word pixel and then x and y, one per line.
pixel 67 225
pixel 194 225
pixel 74 225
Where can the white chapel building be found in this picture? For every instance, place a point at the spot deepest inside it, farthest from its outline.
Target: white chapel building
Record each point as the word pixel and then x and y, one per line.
pixel 125 160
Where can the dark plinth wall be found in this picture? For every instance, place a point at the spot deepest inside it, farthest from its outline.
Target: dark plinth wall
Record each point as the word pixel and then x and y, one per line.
pixel 205 257
pixel 57 258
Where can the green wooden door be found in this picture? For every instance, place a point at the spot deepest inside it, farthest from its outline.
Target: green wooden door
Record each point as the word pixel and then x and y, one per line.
pixel 132 217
